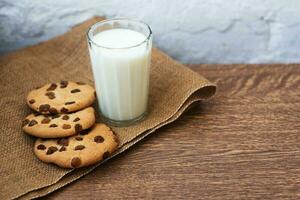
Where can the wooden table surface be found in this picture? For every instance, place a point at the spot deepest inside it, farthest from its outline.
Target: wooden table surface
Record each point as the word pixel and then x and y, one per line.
pixel 244 143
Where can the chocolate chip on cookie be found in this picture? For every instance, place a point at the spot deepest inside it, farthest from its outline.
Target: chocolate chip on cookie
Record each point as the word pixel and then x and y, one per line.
pixel 79 147
pixel 63 148
pixel 64 110
pixel 41 147
pixel 53 125
pixel 53 111
pixel 55 116
pixel 63 141
pixel 63 84
pixel 51 150
pixel 46 120
pixel 32 123
pixel 75 91
pixel 66 126
pixel 53 86
pixel 69 102
pixel 25 122
pixel 78 138
pixel 76 119
pixel 80 83
pixel 78 128
pixel 31 101
pixel 98 139
pixel 65 117
pixel 50 95
pixel 44 108
pixel 75 162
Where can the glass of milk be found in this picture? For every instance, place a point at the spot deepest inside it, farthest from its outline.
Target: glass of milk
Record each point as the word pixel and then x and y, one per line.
pixel 120 53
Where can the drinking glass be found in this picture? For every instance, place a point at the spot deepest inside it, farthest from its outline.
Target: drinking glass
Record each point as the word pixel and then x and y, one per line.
pixel 120 54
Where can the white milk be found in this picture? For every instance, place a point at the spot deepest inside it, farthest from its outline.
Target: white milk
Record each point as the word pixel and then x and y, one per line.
pixel 121 75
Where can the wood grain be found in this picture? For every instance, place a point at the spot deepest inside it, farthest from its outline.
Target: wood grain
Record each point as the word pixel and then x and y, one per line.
pixel 242 144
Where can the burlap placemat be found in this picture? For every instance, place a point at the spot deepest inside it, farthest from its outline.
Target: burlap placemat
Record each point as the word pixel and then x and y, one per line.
pixel 173 88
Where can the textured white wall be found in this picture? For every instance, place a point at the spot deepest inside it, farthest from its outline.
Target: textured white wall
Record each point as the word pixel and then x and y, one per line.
pixel 193 31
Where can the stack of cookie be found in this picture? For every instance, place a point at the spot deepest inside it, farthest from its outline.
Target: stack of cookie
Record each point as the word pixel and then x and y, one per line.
pixel 64 123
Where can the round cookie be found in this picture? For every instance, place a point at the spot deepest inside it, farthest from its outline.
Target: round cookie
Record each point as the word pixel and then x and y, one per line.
pixel 81 150
pixel 63 97
pixel 59 125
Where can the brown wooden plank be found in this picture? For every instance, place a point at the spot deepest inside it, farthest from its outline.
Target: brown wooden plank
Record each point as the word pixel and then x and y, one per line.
pixel 242 144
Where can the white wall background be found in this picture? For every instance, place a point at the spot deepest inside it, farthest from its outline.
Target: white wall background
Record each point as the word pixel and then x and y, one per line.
pixel 193 31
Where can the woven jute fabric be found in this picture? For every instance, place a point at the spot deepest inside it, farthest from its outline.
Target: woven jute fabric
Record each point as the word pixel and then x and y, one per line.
pixel 173 87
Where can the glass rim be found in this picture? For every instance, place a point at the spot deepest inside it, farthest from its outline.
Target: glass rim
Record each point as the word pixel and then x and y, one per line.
pixel 118 19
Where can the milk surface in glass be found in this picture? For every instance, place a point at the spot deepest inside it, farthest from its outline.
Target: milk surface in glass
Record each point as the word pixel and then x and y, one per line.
pixel 121 67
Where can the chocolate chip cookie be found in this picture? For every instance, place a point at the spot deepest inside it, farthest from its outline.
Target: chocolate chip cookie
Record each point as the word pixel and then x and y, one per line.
pixel 83 149
pixel 59 125
pixel 62 97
